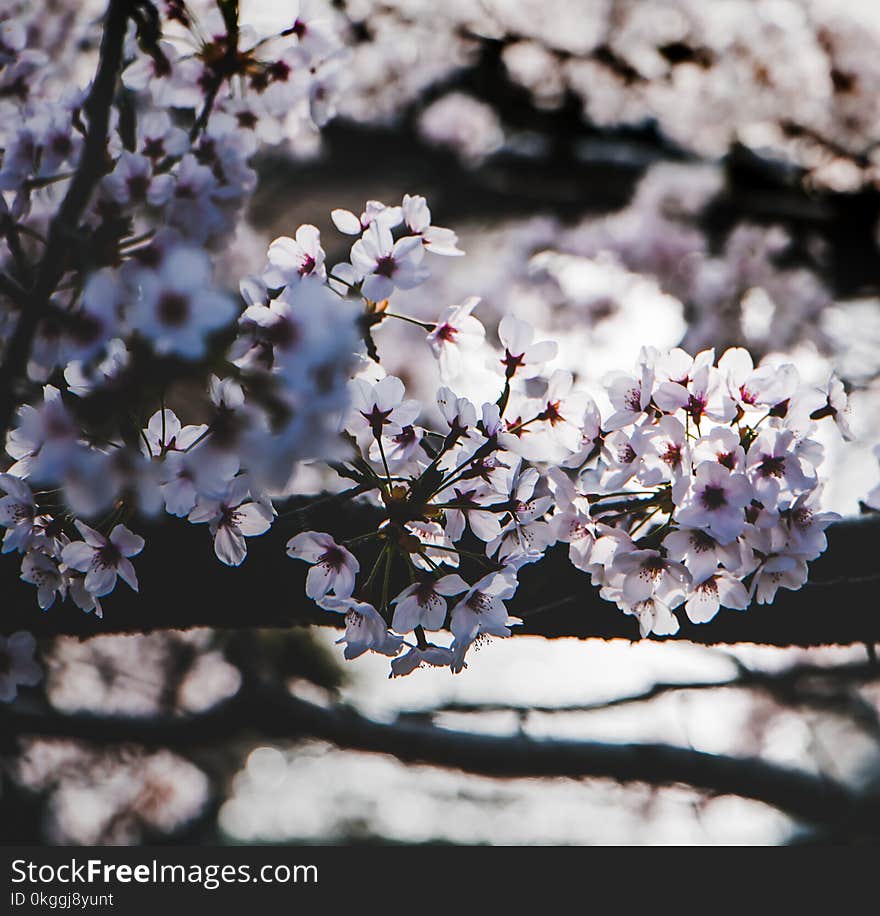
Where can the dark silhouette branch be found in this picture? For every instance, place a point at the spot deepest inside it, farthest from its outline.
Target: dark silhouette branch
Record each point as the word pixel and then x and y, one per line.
pixel 275 714
pixel 183 585
pixel 804 686
pixel 63 228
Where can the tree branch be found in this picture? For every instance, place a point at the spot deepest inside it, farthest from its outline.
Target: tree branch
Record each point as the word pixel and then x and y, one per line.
pixel 183 585
pixel 275 714
pixel 804 686
pixel 65 222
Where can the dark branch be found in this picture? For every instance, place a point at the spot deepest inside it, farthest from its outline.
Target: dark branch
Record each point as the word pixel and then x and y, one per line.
pixel 183 585
pixel 800 686
pixel 270 713
pixel 65 222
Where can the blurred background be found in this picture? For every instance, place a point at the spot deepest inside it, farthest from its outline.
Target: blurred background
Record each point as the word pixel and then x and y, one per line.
pixel 621 173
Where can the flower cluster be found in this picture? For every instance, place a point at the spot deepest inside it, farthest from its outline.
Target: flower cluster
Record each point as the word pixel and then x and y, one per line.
pixel 696 485
pixel 699 489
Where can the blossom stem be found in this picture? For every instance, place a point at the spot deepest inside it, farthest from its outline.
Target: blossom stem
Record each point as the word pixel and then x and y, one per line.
pixel 384 460
pixel 369 580
pixel 645 520
pixel 360 537
pixel 386 582
pixel 485 449
pixel 424 325
pixel 504 398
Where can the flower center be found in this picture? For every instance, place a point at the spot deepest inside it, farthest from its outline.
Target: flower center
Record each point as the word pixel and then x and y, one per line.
pixel 107 556
pixel 376 418
pixel 446 332
pixel 173 309
pixel 332 558
pixel 551 413
pixel 633 399
pixel 713 497
pixel 772 466
pixel 696 405
pixel 672 455
pixel 512 362
pixel 385 266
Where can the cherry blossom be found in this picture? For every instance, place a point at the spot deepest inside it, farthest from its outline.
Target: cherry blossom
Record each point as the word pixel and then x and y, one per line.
pixel 333 567
pixel 522 356
pixel 175 307
pixel 422 604
pixel 102 559
pixel 291 259
pixel 690 486
pixel 232 518
pixel 384 265
pixel 456 334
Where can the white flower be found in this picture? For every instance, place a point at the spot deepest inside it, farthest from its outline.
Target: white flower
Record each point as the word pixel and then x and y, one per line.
pixel 525 536
pixel 192 208
pixel 523 357
pixel 715 502
pixel 365 630
pixel 175 307
pixel 722 444
pixel 468 499
pixel 381 408
pixel 435 546
pixel 42 571
pixel 630 395
pixel 158 138
pixel 417 218
pixel 456 334
pixel 836 405
pixel 292 259
pixel 482 610
pixel 384 264
pixel 777 572
pixel 102 559
pixel 591 437
pixel 773 465
pixel 165 433
pixel 560 429
pixel 665 452
pixel 231 519
pixel 718 590
pixel 571 522
pixel 423 604
pixel 700 552
pixel 97 319
pixel 17 665
pixel 45 440
pixel 375 211
pixel 806 526
pixel 752 388
pixel 17 513
pixel 621 455
pixel 133 182
pixel 647 573
pixel 704 395
pixel 654 616
pixel 334 568
pixel 459 413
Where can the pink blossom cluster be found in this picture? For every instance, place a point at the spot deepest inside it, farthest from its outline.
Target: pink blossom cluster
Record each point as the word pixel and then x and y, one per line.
pixel 699 489
pixel 149 389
